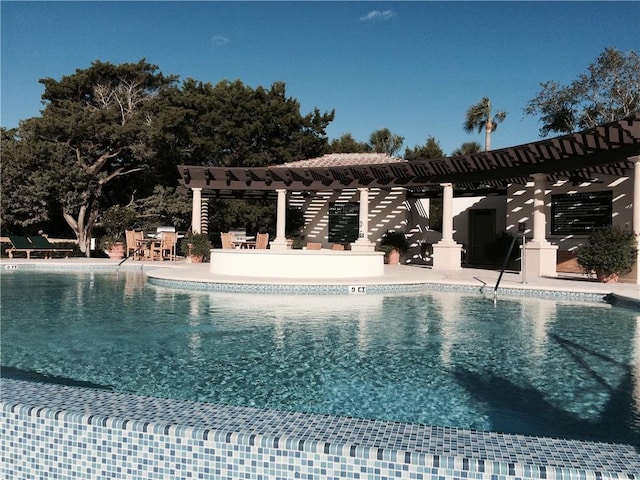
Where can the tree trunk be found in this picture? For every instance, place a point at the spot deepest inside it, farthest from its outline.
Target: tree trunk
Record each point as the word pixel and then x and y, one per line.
pixel 82 228
pixel 487 135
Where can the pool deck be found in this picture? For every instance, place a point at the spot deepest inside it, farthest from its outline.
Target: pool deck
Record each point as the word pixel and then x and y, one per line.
pixel 398 275
pixel 494 455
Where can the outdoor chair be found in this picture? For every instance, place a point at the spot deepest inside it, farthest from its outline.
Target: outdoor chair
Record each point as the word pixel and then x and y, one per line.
pixel 227 240
pixel 262 240
pixel 314 246
pixel 164 246
pixel 337 246
pixel 29 245
pixel 134 245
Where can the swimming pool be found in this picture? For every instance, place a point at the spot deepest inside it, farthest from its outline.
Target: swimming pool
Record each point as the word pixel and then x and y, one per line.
pixel 529 366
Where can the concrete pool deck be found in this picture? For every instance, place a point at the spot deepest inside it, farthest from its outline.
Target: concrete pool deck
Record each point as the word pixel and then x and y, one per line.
pixel 140 437
pixel 482 279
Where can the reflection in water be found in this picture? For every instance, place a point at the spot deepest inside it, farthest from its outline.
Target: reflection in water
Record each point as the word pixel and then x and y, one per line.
pixel 522 366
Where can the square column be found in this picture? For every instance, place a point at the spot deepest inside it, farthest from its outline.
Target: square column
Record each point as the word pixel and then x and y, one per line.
pixel 280 242
pixel 196 211
pixel 540 256
pixel 634 275
pixel 363 244
pixel 447 253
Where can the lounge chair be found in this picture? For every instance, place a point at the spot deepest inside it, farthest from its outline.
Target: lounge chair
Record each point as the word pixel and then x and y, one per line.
pixel 43 244
pixel 30 245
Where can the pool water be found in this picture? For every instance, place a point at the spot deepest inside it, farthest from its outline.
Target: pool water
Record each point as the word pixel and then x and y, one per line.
pixel 527 366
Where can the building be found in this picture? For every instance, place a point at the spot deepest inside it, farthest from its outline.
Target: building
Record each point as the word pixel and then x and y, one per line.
pixel 553 191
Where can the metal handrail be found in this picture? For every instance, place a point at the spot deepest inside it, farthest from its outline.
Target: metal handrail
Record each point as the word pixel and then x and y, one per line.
pixel 504 267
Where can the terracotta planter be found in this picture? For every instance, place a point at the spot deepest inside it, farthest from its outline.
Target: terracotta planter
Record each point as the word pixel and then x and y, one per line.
pixel 607 277
pixel 196 258
pixel 393 257
pixel 116 251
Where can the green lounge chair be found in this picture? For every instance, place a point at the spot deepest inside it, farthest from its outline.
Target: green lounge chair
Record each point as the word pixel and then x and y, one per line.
pixel 20 244
pixel 28 245
pixel 44 245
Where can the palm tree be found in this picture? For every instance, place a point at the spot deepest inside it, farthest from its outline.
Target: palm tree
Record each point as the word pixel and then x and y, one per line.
pixel 384 141
pixel 479 116
pixel 467 148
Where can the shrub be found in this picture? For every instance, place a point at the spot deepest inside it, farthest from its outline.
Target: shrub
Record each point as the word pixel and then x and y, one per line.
pixel 394 240
pixel 609 250
pixel 196 244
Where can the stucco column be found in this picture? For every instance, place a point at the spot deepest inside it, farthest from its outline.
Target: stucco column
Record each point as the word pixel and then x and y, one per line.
pixel 636 193
pixel 447 212
pixel 540 256
pixel 196 211
pixel 447 253
pixel 634 275
pixel 539 217
pixel 280 242
pixel 363 243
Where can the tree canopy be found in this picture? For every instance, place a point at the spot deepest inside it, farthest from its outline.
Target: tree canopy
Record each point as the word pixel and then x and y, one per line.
pixel 431 149
pixel 347 144
pixel 609 90
pixel 113 134
pixel 384 141
pixel 467 148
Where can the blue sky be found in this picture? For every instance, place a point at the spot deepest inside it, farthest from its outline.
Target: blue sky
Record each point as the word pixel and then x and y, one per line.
pixel 412 67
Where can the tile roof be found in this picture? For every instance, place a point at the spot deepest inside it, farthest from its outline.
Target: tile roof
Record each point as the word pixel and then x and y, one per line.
pixel 344 160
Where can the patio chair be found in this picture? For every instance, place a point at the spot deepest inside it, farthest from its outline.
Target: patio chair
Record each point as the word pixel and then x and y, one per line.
pixel 314 246
pixel 227 240
pixel 164 246
pixel 337 246
pixel 262 240
pixel 134 247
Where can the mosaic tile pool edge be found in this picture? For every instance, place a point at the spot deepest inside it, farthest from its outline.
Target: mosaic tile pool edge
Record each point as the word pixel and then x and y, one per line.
pixel 331 289
pixel 374 289
pixel 89 446
pixel 71 441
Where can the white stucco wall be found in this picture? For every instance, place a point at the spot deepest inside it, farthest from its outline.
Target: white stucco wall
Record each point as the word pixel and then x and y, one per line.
pixel 387 211
pixel 520 206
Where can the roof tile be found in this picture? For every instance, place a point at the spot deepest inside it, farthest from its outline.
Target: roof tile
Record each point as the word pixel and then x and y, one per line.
pixel 344 160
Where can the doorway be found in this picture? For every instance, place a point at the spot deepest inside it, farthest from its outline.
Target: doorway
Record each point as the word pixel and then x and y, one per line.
pixel 482 230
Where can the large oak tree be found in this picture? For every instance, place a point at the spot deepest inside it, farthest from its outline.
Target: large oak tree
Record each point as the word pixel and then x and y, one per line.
pixel 113 134
pixel 97 125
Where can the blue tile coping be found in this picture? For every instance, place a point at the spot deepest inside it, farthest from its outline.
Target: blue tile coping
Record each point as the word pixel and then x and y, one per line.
pixel 437 452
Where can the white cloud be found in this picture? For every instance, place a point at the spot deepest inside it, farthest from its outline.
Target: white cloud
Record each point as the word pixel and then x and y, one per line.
pixel 378 15
pixel 219 40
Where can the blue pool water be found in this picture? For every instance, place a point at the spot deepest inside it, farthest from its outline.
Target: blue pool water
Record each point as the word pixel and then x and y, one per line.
pixel 528 366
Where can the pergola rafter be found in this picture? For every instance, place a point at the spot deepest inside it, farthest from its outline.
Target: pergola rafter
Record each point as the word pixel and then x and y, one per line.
pixel 601 150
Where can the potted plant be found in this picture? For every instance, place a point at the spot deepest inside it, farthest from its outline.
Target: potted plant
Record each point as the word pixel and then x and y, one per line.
pixel 196 247
pixel 115 221
pixel 394 244
pixel 609 252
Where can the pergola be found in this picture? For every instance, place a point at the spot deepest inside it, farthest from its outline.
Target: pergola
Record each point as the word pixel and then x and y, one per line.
pixel 601 150
pixel 610 149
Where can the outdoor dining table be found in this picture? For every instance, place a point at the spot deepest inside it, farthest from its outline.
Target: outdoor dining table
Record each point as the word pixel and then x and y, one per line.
pixel 143 248
pixel 246 245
